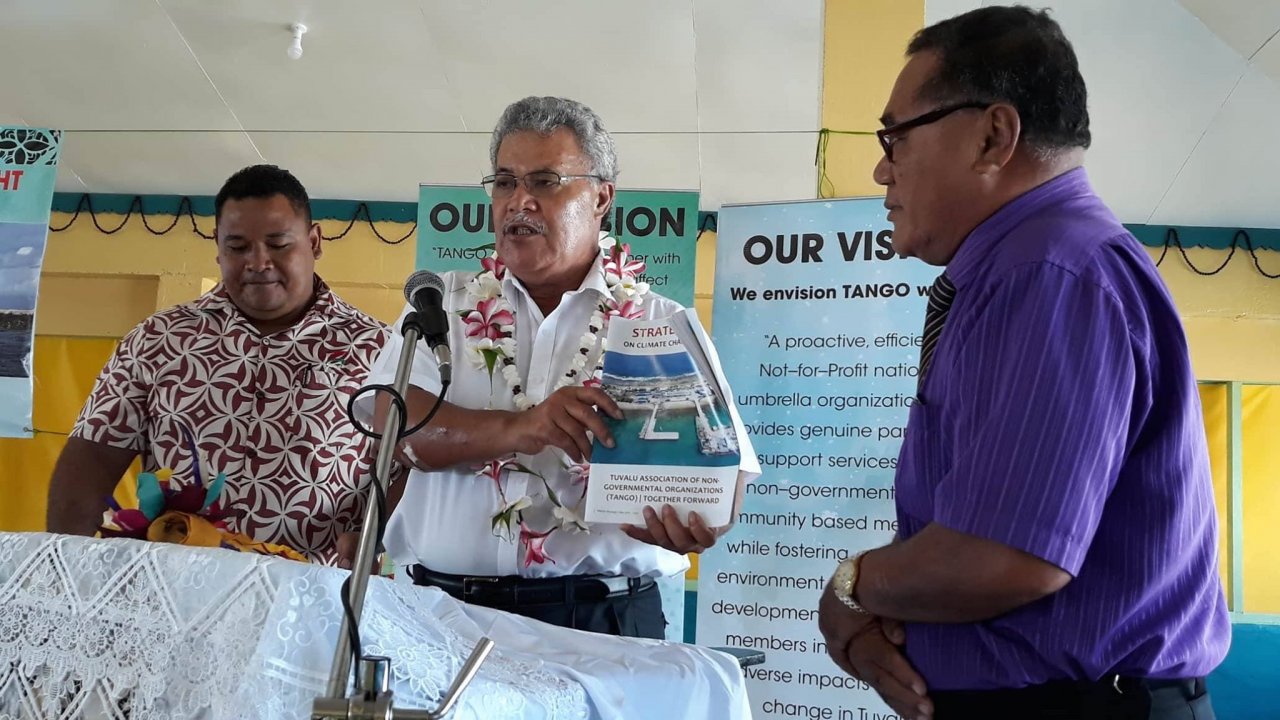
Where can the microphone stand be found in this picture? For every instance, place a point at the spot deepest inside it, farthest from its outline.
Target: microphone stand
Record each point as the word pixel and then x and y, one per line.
pixel 372 698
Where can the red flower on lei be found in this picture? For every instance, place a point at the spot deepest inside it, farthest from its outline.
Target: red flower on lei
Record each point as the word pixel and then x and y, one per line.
pixel 487 320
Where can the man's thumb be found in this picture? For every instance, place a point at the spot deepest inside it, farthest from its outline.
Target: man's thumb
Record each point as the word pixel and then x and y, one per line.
pixel 893 630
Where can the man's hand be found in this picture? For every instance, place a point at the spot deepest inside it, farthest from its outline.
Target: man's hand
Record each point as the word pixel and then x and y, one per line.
pixel 666 531
pixel 346 549
pixel 564 420
pixel 866 647
pixel 348 543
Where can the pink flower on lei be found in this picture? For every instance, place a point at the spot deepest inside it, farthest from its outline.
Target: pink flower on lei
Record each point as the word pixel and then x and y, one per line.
pixel 493 470
pixel 488 319
pixel 620 263
pixel 534 546
pixel 494 265
pixel 629 309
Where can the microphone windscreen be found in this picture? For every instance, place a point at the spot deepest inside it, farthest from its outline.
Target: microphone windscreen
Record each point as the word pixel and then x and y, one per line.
pixel 422 279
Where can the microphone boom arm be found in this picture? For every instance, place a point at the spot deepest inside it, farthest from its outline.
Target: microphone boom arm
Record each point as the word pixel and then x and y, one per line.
pixel 367 548
pixel 372 697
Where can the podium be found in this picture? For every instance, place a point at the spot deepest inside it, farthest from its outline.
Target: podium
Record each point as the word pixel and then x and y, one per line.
pixel 94 628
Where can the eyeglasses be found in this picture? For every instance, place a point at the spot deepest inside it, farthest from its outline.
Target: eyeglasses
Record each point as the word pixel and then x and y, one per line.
pixel 538 184
pixel 892 134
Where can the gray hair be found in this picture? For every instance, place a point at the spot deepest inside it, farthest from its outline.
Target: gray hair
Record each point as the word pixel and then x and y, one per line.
pixel 544 115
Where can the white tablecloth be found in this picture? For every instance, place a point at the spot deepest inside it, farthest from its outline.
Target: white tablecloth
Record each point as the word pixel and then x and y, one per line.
pixel 122 628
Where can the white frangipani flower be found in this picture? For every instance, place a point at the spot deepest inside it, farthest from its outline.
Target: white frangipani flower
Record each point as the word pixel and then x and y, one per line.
pixel 569 519
pixel 483 287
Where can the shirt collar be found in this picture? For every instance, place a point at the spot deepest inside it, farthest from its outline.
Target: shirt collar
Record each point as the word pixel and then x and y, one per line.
pixel 218 301
pixel 594 280
pixel 982 241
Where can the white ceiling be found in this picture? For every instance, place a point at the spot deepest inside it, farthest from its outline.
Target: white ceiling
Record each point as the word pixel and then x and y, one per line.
pixel 1184 97
pixel 172 96
pixel 722 95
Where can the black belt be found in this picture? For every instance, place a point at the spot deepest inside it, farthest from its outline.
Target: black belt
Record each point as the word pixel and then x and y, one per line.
pixel 1191 687
pixel 1024 702
pixel 515 591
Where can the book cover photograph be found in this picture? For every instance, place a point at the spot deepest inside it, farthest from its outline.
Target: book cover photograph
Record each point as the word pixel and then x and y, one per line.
pixel 677 443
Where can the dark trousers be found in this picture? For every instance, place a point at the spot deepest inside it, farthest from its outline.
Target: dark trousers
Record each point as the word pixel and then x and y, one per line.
pixel 1125 699
pixel 580 602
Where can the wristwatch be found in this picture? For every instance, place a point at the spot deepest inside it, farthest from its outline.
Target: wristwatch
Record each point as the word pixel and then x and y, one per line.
pixel 844 579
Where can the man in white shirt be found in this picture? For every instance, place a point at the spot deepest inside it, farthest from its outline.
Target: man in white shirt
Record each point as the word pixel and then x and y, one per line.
pixel 554 169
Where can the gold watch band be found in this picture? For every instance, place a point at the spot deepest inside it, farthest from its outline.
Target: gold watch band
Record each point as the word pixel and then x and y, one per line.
pixel 848 572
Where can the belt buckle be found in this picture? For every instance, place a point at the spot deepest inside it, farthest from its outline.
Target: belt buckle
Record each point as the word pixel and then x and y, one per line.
pixel 616 585
pixel 469 585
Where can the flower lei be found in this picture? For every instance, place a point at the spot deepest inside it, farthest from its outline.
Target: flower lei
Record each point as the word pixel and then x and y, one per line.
pixel 490 343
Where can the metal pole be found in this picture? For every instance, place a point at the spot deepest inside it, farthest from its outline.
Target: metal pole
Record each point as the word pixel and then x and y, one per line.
pixel 341 671
pixel 465 676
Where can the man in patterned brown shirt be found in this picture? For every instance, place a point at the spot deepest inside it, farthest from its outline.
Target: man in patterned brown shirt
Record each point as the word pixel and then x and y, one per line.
pixel 259 369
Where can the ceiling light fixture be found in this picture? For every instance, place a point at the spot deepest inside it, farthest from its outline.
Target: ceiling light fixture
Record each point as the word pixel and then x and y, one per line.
pixel 295 48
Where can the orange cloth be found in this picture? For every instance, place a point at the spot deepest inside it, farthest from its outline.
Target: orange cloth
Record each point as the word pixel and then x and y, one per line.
pixel 192 530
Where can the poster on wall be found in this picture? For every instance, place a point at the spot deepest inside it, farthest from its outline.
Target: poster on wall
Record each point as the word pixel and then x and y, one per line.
pixel 455 230
pixel 824 322
pixel 28 169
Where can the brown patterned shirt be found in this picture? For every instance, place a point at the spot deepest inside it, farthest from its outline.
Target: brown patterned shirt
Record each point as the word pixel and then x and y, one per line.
pixel 269 411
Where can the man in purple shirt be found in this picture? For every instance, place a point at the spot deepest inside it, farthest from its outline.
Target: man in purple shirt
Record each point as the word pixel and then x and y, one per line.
pixel 1057 547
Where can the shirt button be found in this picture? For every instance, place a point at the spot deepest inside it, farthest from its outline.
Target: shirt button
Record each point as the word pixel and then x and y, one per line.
pixel 259 394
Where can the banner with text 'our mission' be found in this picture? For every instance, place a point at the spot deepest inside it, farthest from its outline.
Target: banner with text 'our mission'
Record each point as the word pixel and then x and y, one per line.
pixel 819 322
pixel 455 230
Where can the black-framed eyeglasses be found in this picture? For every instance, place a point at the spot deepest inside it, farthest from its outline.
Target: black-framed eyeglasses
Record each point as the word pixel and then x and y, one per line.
pixel 890 135
pixel 538 184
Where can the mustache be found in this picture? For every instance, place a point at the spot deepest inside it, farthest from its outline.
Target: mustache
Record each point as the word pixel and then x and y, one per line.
pixel 523 219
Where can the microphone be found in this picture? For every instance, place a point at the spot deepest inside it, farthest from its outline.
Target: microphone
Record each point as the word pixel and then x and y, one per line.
pixel 425 292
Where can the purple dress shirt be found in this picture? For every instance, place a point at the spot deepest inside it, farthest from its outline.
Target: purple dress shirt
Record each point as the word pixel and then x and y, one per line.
pixel 1061 418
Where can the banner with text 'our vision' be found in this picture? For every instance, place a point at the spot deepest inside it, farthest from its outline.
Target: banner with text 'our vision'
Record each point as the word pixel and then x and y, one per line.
pixel 455 230
pixel 821 322
pixel 28 169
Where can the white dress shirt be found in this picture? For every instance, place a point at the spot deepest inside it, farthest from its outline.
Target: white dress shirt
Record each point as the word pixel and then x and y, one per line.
pixel 443 519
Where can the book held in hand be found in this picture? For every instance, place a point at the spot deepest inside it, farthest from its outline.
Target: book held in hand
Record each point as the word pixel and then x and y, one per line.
pixel 678 443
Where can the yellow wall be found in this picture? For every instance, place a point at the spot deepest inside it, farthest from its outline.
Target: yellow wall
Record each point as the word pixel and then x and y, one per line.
pixel 101 286
pixel 1232 319
pixel 1261 496
pixel 1214 400
pixel 94 285
pixel 1260 474
pixel 864 42
pixel 64 370
pixel 705 276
